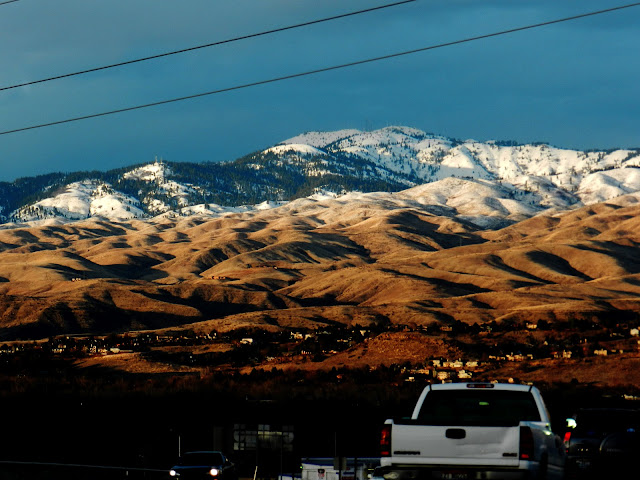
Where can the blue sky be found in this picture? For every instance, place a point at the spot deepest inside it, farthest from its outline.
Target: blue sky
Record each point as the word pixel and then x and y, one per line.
pixel 573 84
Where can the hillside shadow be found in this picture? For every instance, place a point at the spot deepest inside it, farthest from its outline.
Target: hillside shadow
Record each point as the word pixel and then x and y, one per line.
pixel 497 262
pixel 625 256
pixel 632 281
pixel 211 308
pixel 153 239
pixel 411 223
pixel 556 264
pixel 34 247
pixel 456 289
pixel 25 236
pixel 7 246
pixel 414 244
pixel 332 246
pixel 138 266
pixel 180 237
pixel 326 300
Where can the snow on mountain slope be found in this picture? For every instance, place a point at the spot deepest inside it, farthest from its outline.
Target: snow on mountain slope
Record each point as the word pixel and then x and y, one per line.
pixel 320 139
pixel 153 172
pixel 602 186
pixel 545 170
pixel 159 173
pixel 213 210
pixel 301 148
pixel 397 149
pixel 82 200
pixel 480 202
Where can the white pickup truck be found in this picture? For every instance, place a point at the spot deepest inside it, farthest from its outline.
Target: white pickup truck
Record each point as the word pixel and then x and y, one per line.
pixel 461 431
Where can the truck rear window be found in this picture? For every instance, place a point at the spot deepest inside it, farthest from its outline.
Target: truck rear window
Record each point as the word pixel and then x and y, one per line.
pixel 478 408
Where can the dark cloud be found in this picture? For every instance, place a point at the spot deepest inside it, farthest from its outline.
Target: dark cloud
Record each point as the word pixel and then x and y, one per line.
pixel 572 84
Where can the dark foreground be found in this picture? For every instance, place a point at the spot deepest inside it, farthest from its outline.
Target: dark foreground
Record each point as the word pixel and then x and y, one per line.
pixel 129 429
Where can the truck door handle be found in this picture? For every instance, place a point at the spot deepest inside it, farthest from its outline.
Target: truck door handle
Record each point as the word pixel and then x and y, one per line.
pixel 456 433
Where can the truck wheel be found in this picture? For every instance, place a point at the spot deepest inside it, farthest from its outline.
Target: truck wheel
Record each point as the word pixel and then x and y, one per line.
pixel 543 469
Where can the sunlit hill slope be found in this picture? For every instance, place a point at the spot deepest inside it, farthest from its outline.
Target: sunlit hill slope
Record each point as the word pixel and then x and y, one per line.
pixel 386 258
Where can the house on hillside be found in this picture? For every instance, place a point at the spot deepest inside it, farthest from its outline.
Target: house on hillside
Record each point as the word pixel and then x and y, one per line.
pixel 453 364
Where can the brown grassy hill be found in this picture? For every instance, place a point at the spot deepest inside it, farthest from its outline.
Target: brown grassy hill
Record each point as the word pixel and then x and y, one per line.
pixel 314 263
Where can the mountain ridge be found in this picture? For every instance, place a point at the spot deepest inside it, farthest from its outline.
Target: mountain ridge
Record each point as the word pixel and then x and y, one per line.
pixel 528 178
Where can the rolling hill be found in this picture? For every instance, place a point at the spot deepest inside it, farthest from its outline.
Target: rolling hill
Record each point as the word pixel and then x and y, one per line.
pixel 360 258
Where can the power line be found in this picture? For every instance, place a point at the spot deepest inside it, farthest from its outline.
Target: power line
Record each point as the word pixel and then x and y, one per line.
pixel 321 70
pixel 8 1
pixel 221 42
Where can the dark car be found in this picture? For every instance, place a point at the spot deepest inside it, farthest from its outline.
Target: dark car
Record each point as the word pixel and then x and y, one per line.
pixel 602 441
pixel 204 465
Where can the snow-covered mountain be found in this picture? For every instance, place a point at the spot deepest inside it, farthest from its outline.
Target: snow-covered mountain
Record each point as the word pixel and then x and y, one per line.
pixel 489 183
pixel 81 200
pixel 539 168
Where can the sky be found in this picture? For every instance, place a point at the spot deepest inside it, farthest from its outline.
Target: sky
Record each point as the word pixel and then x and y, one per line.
pixel 573 84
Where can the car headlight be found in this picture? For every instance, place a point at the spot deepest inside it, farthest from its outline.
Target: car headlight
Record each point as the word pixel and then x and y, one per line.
pixel 173 473
pixel 213 472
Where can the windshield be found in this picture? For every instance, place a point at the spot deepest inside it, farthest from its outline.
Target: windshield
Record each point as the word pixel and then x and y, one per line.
pixel 478 408
pixel 202 458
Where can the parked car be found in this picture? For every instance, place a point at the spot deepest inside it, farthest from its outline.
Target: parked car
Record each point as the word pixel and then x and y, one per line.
pixel 602 441
pixel 204 464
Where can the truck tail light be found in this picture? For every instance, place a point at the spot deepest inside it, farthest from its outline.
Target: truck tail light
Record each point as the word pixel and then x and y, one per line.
pixel 526 443
pixel 385 441
pixel 567 440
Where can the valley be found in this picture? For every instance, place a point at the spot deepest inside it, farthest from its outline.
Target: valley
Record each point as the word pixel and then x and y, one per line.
pixel 367 282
